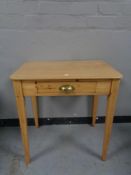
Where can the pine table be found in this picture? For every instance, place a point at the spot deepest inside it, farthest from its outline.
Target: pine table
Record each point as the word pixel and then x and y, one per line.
pixel 66 78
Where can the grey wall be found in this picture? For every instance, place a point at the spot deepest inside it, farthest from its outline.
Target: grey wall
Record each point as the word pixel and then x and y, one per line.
pixel 66 29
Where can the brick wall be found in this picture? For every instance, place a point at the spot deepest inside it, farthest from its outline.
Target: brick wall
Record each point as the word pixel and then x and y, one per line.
pixel 66 29
pixel 26 15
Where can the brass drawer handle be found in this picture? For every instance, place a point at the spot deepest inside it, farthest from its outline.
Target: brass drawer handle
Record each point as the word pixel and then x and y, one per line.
pixel 67 88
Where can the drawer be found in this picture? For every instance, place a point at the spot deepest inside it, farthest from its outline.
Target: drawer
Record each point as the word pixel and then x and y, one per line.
pixel 66 88
pixel 40 88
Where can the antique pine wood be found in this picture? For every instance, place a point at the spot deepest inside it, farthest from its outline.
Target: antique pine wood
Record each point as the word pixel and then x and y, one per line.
pixel 45 70
pixel 94 111
pixel 22 118
pixel 111 103
pixel 49 78
pixel 38 88
pixel 35 110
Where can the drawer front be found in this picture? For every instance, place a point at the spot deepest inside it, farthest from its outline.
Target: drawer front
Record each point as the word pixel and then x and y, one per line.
pixel 66 88
pixel 40 88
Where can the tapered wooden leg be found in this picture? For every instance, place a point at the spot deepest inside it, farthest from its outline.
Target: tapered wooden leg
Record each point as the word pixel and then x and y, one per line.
pixel 94 111
pixel 111 103
pixel 35 110
pixel 22 118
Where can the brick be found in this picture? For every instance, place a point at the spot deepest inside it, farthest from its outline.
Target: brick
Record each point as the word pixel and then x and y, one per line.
pixel 123 22
pixel 37 22
pixel 53 22
pixel 89 8
pixel 109 22
pixel 101 22
pixel 111 8
pixel 3 5
pixel 75 8
pixel 54 7
pixel 11 22
pixel 22 7
pixel 126 9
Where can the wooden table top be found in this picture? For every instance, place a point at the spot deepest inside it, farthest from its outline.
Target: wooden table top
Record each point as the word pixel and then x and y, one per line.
pixel 74 69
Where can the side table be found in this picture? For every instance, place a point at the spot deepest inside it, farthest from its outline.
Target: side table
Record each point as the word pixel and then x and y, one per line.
pixel 66 78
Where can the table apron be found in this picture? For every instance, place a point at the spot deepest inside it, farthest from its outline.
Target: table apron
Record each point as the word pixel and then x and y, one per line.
pixel 52 88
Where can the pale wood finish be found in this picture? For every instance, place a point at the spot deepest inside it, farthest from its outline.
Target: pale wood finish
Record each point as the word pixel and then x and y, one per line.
pixel 35 110
pixel 29 88
pixel 22 118
pixel 84 69
pixel 41 88
pixel 44 78
pixel 111 103
pixel 95 107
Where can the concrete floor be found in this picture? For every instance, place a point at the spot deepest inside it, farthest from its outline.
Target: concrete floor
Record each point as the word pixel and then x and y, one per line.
pixel 66 150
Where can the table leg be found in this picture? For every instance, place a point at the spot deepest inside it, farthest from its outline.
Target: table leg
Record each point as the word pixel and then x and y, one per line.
pixel 22 118
pixel 111 103
pixel 35 110
pixel 95 107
